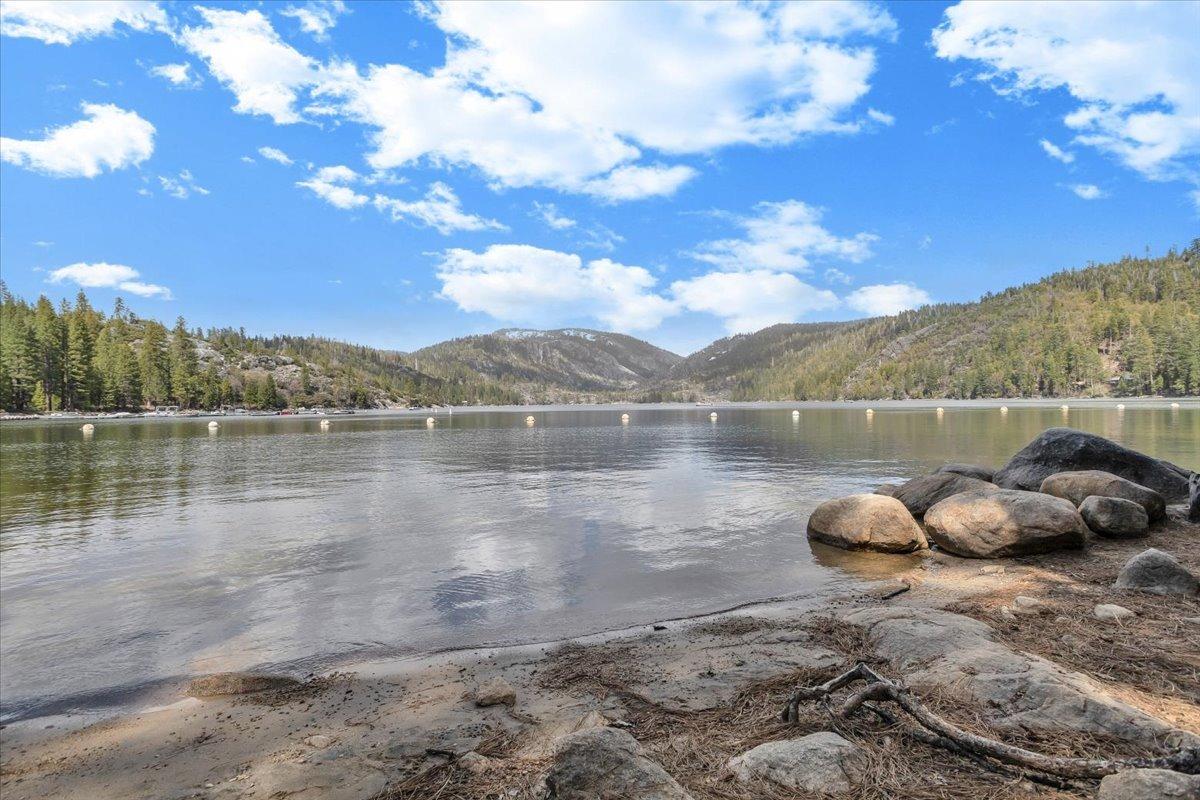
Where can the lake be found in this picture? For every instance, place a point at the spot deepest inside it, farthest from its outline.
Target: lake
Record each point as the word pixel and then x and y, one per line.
pixel 156 549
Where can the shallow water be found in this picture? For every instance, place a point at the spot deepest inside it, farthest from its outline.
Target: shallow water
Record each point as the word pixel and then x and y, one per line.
pixel 156 549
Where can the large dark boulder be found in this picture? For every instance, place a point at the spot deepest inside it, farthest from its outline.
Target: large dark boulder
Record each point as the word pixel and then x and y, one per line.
pixel 1079 486
pixel 866 522
pixel 1194 500
pixel 1066 449
pixel 919 494
pixel 606 762
pixel 1003 523
pixel 970 470
pixel 1158 573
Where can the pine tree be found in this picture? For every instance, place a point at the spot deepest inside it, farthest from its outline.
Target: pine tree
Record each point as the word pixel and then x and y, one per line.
pixel 154 364
pixel 184 365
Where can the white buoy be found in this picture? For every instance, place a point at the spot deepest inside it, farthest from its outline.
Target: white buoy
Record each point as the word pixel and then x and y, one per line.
pixel 625 418
pixel 88 428
pixel 795 412
pixel 1120 406
pixel 1174 405
pixel 713 416
pixel 212 426
pixel 1003 409
pixel 430 421
pixel 530 420
pixel 324 424
pixel 940 411
pixel 1065 407
pixel 870 412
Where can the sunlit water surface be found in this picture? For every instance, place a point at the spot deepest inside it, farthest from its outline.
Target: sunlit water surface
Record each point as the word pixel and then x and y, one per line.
pixel 156 549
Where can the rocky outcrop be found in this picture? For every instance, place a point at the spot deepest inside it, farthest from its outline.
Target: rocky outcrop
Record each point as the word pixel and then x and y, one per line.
pixel 970 470
pixel 1080 485
pixel 1066 449
pixel 223 684
pixel 866 522
pixel 1003 523
pixel 820 763
pixel 919 494
pixel 1149 784
pixel 607 762
pixel 1158 573
pixel 949 652
pixel 1114 518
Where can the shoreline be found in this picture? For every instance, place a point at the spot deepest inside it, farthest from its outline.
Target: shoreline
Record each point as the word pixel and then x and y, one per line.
pixel 351 733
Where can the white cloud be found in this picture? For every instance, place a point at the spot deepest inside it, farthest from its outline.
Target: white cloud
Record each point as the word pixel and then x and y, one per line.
pixel 925 243
pixel 1056 152
pixel 245 53
pixel 1134 69
pixel 681 78
pixel 107 138
pixel 276 155
pixel 885 299
pixel 331 185
pixel 548 213
pixel 68 21
pixel 521 283
pixel 881 117
pixel 1088 191
pixel 783 236
pixel 316 18
pixel 633 182
pixel 180 75
pixel 749 301
pixel 182 186
pixel 102 275
pixel 837 276
pixel 440 209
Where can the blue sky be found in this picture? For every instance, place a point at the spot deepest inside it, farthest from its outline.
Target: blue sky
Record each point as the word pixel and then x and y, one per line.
pixel 397 174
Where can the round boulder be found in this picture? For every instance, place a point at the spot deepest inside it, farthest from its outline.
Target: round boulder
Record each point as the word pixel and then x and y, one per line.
pixel 1004 523
pixel 1114 518
pixel 921 493
pixel 1080 485
pixel 820 763
pixel 1158 573
pixel 866 522
pixel 1149 784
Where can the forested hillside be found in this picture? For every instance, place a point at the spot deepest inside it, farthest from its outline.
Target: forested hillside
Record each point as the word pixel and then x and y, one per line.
pixel 76 358
pixel 1128 328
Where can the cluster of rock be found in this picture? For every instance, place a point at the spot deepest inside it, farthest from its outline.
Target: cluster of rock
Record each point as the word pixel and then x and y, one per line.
pixel 1061 488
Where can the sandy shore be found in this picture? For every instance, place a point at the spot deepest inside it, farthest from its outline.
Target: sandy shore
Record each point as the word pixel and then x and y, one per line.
pixel 694 692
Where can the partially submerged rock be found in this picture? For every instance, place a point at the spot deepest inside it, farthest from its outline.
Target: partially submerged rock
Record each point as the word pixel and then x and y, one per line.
pixel 1149 784
pixel 607 763
pixel 1079 485
pixel 866 522
pixel 1114 518
pixel 970 470
pixel 1066 449
pixel 1158 573
pixel 820 763
pixel 919 494
pixel 949 652
pixel 496 692
pixel 224 684
pixel 1002 523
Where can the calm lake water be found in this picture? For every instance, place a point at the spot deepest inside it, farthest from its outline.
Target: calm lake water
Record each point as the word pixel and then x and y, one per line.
pixel 156 549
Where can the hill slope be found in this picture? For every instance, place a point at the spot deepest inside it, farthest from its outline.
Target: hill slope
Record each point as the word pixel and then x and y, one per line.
pixel 1132 327
pixel 569 359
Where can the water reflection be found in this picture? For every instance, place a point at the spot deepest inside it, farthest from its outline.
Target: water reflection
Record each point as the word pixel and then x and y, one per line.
pixel 156 547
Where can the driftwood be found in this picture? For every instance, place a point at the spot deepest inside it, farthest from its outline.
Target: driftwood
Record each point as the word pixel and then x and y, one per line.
pixel 941 733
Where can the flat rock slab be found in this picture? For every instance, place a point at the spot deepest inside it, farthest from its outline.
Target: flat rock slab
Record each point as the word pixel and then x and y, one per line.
pixel 1079 485
pixel 1149 784
pixel 607 763
pixel 1066 449
pixel 1005 523
pixel 866 522
pixel 224 684
pixel 1114 518
pixel 820 763
pixel 919 494
pixel 954 653
pixel 1158 573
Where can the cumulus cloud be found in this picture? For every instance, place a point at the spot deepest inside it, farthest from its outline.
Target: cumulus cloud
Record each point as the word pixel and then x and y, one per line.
pixel 332 184
pixel 276 155
pixel 679 78
pixel 180 75
pixel 181 186
pixel 783 236
pixel 68 21
pixel 102 275
pixel 837 276
pixel 1133 68
pixel 1088 191
pixel 749 301
pixel 885 299
pixel 548 213
pixel 526 284
pixel 316 18
pixel 1056 152
pixel 108 138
